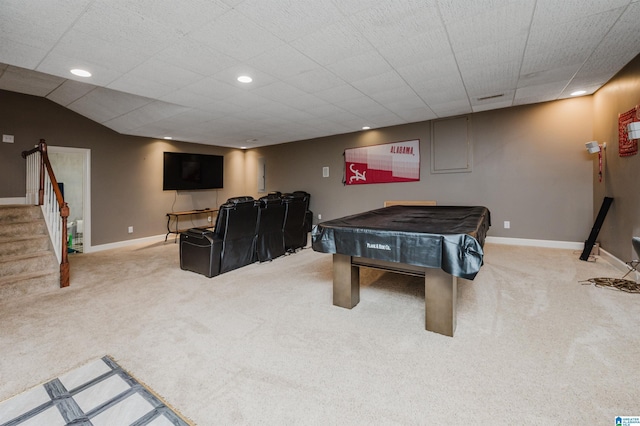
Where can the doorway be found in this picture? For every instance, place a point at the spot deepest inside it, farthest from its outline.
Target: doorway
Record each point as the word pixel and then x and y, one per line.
pixel 72 167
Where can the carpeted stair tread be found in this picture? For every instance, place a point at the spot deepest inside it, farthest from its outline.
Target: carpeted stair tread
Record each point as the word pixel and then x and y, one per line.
pixel 28 283
pixel 16 246
pixel 13 213
pixel 18 264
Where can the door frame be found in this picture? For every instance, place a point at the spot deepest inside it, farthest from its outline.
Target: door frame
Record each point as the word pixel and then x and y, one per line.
pixel 86 190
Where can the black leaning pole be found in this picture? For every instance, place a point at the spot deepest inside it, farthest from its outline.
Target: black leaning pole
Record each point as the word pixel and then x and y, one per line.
pixel 588 245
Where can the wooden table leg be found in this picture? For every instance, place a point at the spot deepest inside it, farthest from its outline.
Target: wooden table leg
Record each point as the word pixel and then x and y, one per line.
pixel 346 282
pixel 440 296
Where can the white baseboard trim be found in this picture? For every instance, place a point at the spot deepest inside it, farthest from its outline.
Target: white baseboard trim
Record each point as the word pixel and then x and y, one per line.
pixel 126 243
pixel 16 200
pixel 535 243
pixel 619 265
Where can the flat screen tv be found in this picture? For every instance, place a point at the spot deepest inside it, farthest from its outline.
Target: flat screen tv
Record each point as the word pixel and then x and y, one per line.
pixel 192 171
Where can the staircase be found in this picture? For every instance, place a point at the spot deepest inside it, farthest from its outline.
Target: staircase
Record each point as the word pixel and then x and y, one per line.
pixel 28 263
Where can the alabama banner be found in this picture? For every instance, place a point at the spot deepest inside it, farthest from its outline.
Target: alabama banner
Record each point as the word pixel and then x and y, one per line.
pixel 390 162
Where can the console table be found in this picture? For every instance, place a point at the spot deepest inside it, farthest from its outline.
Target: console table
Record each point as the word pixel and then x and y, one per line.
pixel 176 218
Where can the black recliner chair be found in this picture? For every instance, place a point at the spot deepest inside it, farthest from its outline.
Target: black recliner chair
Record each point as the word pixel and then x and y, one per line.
pixel 231 245
pixel 295 232
pixel 270 235
pixel 308 218
pixel 236 228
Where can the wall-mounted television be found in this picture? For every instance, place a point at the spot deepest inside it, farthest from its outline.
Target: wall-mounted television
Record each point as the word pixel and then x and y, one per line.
pixel 184 171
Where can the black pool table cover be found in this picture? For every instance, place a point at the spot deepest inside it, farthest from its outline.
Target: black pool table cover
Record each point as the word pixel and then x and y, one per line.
pixel 446 237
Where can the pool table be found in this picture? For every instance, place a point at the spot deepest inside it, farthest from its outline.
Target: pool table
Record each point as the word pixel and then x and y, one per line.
pixel 440 243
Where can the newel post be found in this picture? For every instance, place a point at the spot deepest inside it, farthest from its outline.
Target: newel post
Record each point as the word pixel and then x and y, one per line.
pixel 64 264
pixel 42 147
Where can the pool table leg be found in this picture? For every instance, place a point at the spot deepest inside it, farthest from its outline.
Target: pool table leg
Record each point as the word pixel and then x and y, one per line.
pixel 346 282
pixel 440 294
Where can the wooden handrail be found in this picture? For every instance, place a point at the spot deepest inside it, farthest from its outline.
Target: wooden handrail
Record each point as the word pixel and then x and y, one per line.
pixel 45 164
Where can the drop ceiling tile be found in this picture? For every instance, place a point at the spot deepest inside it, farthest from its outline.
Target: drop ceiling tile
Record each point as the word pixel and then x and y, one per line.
pixel 29 82
pixel 236 36
pixel 396 97
pixel 221 108
pixel 182 97
pixel 451 108
pixel 77 44
pixel 125 29
pixel 288 19
pixel 509 19
pixel 38 24
pixel 454 11
pixel 432 68
pixel 354 6
pixel 141 86
pixel 491 79
pixel 538 93
pixel 69 91
pixel 21 55
pixel 102 105
pixel 333 43
pixel 560 75
pixel 584 33
pixel 551 12
pixel 417 48
pixel 315 80
pixel 249 100
pixel 390 80
pixel 167 74
pixel 508 51
pixel 339 93
pixel 196 56
pixel 279 92
pixel 271 62
pixel 363 106
pixel 189 15
pixel 389 22
pixel 187 119
pixel 214 89
pixel 153 112
pixel 360 67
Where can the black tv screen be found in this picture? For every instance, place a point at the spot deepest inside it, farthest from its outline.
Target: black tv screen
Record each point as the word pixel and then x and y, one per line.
pixel 192 171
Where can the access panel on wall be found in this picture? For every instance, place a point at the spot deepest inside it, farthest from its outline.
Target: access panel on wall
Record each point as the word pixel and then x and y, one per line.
pixel 450 146
pixel 390 162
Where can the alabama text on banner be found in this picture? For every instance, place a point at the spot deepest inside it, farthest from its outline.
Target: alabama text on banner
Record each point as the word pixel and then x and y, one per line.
pixel 390 162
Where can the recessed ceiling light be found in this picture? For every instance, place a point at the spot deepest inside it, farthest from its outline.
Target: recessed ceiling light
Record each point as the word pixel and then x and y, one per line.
pixel 168 138
pixel 243 147
pixel 579 92
pixel 366 128
pixel 80 73
pixel 245 79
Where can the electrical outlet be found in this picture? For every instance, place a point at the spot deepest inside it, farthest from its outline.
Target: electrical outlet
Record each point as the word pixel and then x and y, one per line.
pixel 325 171
pixel 319 216
pixel 7 138
pixel 507 224
pixel 130 230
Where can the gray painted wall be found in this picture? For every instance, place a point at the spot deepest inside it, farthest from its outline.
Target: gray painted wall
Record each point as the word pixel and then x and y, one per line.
pixel 530 167
pixel 622 174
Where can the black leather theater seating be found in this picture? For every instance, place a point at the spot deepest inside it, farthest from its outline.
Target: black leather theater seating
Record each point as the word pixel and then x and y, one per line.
pixel 246 231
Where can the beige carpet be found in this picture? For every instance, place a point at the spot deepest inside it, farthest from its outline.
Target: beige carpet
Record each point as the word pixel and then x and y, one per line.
pixel 265 345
